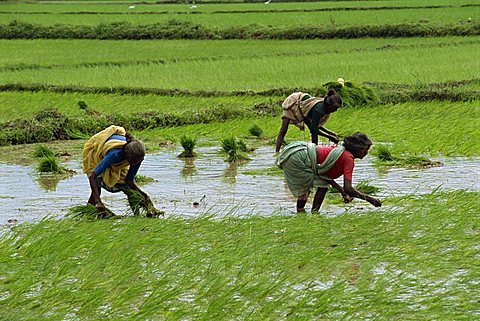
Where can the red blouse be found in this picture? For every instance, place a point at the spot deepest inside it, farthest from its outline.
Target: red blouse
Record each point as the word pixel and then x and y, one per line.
pixel 343 166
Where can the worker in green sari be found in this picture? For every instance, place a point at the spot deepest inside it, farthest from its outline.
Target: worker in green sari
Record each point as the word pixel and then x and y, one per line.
pixel 308 166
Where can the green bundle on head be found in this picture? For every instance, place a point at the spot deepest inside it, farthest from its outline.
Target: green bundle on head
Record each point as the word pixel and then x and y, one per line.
pixel 353 95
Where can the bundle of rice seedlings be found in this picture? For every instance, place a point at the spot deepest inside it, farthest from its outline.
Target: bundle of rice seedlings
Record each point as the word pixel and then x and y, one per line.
pixel 365 187
pixel 188 144
pixel 43 151
pixel 419 161
pixel 140 207
pixel 353 95
pixel 383 153
pixel 140 179
pixel 89 212
pixel 50 165
pixel 235 149
pixel 255 130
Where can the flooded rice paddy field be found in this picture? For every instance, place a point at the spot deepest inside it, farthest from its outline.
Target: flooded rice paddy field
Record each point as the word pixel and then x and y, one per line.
pixel 207 184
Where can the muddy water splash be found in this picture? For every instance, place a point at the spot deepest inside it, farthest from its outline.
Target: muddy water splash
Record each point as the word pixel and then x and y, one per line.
pixel 207 184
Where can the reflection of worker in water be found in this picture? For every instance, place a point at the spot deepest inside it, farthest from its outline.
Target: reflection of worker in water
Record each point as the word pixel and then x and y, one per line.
pixel 111 159
pixel 307 165
pixel 301 108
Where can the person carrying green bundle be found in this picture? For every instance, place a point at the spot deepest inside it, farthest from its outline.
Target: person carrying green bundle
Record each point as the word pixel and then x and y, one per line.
pixel 308 166
pixel 111 160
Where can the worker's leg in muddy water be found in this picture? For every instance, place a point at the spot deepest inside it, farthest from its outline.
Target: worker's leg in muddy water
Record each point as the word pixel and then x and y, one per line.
pixel 318 199
pixel 301 202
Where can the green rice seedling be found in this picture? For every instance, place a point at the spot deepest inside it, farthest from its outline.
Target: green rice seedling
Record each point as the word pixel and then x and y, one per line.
pixel 89 212
pixel 43 151
pixel 141 207
pixel 235 149
pixel 255 130
pixel 140 179
pixel 419 161
pixel 383 153
pixel 188 144
pixel 50 164
pixel 365 187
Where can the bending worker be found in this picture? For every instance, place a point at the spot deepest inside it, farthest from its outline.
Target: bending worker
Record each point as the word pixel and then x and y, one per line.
pixel 307 165
pixel 111 159
pixel 301 108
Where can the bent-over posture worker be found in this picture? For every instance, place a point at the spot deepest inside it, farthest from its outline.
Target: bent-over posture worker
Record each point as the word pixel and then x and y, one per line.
pixel 302 109
pixel 307 165
pixel 111 160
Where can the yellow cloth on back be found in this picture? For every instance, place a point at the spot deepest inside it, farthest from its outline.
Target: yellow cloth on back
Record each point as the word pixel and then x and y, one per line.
pixel 95 150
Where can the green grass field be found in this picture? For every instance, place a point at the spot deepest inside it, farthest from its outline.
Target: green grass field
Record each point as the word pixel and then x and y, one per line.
pixel 307 66
pixel 413 259
pixel 414 263
pixel 227 15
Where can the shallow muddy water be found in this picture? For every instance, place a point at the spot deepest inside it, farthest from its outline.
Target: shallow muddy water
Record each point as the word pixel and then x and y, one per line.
pixel 207 184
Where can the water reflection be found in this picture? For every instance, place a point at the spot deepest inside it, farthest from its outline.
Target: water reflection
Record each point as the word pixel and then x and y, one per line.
pixel 49 182
pixel 189 170
pixel 207 184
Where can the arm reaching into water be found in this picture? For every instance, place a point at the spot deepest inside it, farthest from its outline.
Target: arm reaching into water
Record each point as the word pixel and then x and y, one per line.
pixel 281 134
pixel 352 192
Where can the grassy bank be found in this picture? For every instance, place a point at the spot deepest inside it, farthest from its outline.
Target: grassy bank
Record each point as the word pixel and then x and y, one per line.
pixel 412 128
pixel 418 262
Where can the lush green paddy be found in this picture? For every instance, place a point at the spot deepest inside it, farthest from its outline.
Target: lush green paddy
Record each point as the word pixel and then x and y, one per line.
pixel 414 259
pixel 410 263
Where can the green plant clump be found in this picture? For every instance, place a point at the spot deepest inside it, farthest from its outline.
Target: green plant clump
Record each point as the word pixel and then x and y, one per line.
pixel 188 144
pixel 43 151
pixel 352 94
pixel 385 157
pixel 236 149
pixel 89 212
pixel 50 165
pixel 255 130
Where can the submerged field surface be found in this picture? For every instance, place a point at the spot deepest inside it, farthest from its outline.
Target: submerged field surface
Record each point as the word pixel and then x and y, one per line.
pixel 239 253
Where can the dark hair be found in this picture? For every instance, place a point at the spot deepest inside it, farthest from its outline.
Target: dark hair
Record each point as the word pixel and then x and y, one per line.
pixel 134 148
pixel 332 98
pixel 354 143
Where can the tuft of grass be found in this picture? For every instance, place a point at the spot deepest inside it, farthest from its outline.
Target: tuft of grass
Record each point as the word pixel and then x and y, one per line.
pixel 50 165
pixel 255 130
pixel 140 179
pixel 385 157
pixel 363 187
pixel 140 207
pixel 235 149
pixel 43 151
pixel 188 144
pixel 382 152
pixel 89 212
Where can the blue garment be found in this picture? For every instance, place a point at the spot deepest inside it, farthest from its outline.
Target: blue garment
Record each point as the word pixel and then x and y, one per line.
pixel 115 156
